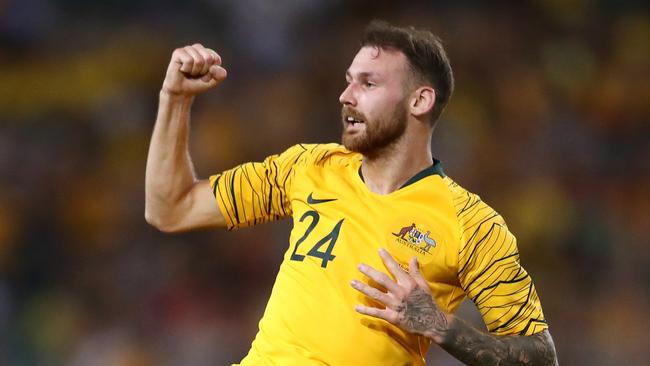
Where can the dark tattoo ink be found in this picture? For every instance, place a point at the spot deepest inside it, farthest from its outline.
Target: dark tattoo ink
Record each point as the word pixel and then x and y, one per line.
pixel 473 347
pixel 421 315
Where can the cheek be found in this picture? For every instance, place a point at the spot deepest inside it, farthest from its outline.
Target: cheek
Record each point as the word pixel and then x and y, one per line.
pixel 378 103
pixel 385 106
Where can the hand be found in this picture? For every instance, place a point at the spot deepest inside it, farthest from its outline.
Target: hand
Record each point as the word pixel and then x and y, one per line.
pixel 193 70
pixel 408 302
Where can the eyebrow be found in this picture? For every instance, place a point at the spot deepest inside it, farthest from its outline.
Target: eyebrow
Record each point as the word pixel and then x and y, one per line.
pixel 363 75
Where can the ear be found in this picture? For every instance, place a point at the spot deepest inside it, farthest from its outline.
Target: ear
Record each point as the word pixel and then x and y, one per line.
pixel 422 101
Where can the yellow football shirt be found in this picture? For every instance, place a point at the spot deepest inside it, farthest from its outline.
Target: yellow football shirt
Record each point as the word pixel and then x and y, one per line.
pixel 463 246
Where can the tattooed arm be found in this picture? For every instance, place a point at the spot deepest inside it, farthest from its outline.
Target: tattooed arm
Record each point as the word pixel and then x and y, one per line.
pixel 410 306
pixel 474 347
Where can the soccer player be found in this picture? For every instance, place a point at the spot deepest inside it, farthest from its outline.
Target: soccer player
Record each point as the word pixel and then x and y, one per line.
pixel 384 245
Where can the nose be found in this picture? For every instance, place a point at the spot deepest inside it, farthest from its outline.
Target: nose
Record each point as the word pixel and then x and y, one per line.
pixel 347 97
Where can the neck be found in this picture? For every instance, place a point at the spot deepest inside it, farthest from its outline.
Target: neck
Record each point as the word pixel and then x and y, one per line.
pixel 389 169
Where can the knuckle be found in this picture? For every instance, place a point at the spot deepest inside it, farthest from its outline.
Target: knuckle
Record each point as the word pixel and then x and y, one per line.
pixel 410 286
pixel 373 295
pixel 370 291
pixel 401 296
pixel 392 317
pixel 384 278
pixel 376 294
pixel 425 287
pixel 178 54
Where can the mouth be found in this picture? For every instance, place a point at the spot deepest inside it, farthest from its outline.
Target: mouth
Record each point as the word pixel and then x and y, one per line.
pixel 352 121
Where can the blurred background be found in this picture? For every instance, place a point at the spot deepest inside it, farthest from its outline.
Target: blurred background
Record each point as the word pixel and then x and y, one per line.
pixel 549 123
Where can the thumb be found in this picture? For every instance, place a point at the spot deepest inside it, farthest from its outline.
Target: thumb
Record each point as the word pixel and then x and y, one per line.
pixel 218 73
pixel 414 271
pixel 215 75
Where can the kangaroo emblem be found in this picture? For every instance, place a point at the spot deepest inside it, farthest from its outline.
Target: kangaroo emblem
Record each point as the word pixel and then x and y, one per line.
pixel 405 230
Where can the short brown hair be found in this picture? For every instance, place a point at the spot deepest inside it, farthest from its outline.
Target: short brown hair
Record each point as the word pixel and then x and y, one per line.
pixel 424 52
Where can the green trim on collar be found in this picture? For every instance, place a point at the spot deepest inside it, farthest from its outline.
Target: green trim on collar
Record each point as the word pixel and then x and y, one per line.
pixel 435 169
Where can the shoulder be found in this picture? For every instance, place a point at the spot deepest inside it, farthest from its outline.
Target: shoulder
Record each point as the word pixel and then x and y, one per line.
pixel 462 199
pixel 470 208
pixel 322 154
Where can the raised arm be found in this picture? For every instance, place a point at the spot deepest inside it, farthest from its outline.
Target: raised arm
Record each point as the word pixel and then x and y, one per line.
pixel 175 200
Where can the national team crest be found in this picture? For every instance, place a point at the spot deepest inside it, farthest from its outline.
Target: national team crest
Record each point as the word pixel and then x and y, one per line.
pixel 415 238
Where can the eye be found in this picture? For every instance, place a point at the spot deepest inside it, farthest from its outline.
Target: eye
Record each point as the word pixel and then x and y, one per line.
pixel 369 84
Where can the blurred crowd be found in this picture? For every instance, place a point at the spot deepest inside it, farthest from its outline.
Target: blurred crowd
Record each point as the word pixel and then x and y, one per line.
pixel 549 123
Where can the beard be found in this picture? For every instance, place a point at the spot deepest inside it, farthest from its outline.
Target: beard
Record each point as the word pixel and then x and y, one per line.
pixel 378 135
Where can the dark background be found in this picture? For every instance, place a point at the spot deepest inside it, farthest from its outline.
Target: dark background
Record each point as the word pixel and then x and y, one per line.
pixel 549 124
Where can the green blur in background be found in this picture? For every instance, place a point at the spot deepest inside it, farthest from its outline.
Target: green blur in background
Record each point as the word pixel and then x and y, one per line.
pixel 549 123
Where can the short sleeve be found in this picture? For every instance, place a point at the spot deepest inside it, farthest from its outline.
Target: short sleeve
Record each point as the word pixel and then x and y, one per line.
pixel 491 274
pixel 257 192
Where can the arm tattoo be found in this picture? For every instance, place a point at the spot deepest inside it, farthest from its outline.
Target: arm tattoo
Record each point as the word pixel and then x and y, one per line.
pixel 421 315
pixel 473 347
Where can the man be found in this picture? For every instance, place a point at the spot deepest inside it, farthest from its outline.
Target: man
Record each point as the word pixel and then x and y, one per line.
pixel 378 193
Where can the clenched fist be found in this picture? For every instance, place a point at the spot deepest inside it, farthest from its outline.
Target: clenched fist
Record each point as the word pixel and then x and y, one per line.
pixel 193 70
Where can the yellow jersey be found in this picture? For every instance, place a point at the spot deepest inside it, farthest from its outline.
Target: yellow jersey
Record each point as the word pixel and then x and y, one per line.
pixel 463 246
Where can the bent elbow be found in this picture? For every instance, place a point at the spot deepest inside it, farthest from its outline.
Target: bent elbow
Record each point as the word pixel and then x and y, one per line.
pixel 152 219
pixel 157 221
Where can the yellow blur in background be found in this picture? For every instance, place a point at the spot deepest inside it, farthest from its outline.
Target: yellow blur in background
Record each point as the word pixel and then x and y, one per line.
pixel 549 123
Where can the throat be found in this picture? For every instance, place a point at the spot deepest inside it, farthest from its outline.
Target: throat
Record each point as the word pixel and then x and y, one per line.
pixel 388 177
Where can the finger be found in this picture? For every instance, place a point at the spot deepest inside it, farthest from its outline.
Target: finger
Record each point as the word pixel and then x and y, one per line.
pixel 374 294
pixel 382 279
pixel 414 271
pixel 207 56
pixel 198 48
pixel 218 72
pixel 394 268
pixel 184 59
pixel 206 77
pixel 386 314
pixel 198 61
pixel 215 55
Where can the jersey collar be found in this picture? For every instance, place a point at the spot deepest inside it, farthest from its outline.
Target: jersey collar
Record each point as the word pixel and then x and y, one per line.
pixel 435 169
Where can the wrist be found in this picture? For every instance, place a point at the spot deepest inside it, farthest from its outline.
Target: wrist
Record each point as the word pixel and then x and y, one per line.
pixel 440 334
pixel 176 98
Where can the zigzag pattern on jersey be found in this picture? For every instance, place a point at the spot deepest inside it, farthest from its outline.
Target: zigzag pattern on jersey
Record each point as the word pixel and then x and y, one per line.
pixel 489 269
pixel 255 192
pixel 258 192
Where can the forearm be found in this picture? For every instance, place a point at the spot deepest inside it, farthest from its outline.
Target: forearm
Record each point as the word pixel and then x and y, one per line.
pixel 474 347
pixel 409 304
pixel 169 171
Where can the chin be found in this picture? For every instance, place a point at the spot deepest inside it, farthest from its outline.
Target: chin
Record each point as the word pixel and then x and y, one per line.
pixel 357 144
pixel 352 143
